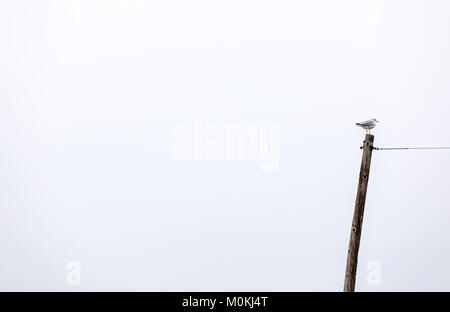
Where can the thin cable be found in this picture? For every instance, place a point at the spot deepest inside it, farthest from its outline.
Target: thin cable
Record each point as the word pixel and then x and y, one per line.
pixel 410 148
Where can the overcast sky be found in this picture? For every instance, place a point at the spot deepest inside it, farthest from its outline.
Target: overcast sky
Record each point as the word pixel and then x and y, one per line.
pixel 91 92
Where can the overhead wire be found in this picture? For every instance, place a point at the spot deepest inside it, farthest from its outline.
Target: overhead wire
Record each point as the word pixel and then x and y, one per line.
pixel 410 148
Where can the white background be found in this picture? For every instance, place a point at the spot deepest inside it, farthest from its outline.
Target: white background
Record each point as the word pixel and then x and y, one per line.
pixel 89 93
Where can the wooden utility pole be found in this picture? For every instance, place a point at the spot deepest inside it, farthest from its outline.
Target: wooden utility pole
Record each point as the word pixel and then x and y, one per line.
pixel 355 235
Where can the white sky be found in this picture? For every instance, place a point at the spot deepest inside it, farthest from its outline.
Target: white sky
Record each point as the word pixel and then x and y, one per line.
pixel 89 93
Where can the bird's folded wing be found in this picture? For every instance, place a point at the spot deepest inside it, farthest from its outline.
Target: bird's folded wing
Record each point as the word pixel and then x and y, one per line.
pixel 366 123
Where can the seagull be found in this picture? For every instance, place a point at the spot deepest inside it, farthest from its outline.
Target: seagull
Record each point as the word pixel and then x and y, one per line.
pixel 368 124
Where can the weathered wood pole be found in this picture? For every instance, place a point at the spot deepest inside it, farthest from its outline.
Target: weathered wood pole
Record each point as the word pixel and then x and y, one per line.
pixel 355 235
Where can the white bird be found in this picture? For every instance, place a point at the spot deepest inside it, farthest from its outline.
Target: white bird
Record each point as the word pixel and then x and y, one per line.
pixel 368 124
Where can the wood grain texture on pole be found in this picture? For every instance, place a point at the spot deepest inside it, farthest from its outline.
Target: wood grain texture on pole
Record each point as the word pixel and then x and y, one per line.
pixel 355 235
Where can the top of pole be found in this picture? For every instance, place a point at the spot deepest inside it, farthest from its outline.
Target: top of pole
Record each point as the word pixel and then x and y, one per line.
pixel 368 141
pixel 370 137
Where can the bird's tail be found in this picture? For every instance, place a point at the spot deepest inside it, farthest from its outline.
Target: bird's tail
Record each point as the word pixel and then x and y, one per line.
pixel 358 124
